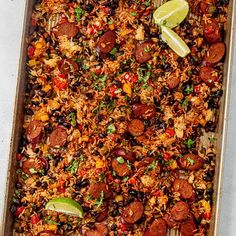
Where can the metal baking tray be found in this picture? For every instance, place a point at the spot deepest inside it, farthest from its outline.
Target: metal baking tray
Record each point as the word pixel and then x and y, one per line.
pixel 221 116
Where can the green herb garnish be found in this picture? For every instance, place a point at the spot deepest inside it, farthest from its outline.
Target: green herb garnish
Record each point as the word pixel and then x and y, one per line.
pixel 79 12
pixel 111 129
pixel 120 160
pixel 73 167
pixel 189 143
pixel 99 201
pixel 133 13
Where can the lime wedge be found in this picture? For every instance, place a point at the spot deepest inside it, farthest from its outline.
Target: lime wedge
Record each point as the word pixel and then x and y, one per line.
pixel 174 41
pixel 171 13
pixel 65 205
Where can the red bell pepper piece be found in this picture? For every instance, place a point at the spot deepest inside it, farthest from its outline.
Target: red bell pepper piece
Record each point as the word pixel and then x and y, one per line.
pixel 112 90
pixel 34 219
pixel 170 132
pixel 166 156
pixel 30 51
pixel 18 211
pixel 61 84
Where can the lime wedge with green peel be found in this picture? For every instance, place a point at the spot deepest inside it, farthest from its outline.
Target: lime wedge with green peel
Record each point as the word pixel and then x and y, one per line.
pixel 65 205
pixel 171 13
pixel 174 41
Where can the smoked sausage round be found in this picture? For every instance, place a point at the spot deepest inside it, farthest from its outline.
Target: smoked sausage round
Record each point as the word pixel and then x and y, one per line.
pixel 183 187
pixel 190 162
pixel 144 52
pixel 180 211
pixel 34 131
pixel 136 127
pixel 58 137
pixel 106 42
pixel 121 169
pixel 133 212
pixel 67 28
pixel 215 54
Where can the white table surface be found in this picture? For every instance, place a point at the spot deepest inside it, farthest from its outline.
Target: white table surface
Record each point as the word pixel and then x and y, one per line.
pixel 11 22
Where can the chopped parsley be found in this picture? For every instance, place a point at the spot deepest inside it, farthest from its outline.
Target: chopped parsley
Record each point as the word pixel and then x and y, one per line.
pixel 147 49
pixel 189 143
pixel 73 166
pixel 189 89
pixel 125 179
pixel 191 161
pixel 120 160
pixel 152 166
pixel 143 75
pixel 100 82
pixel 79 12
pixel 147 3
pixel 185 103
pixel 133 13
pixel 109 106
pixel 111 129
pixel 49 221
pixel 72 118
pixel 113 51
pixel 99 201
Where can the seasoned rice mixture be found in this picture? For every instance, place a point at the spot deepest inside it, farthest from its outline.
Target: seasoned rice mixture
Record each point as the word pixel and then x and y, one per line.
pixel 114 119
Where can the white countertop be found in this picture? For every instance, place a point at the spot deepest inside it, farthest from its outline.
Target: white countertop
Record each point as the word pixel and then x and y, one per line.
pixel 11 22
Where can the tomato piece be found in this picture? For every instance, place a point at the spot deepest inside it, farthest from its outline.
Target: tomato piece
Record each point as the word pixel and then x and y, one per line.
pixel 166 156
pixel 170 132
pixel 18 211
pixel 61 84
pixel 34 219
pixel 207 215
pixel 30 51
pixel 132 180
pixel 131 77
pixel 113 90
pixel 196 89
pixel 34 22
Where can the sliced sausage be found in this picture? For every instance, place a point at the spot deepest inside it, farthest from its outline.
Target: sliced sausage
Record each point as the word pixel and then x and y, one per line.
pixel 169 221
pixel 58 137
pixel 98 230
pixel 103 213
pixel 67 28
pixel 68 66
pixel 34 131
pixel 188 228
pixel 180 211
pixel 143 111
pixel 209 75
pixel 144 52
pixel 136 127
pixel 106 42
pixel 34 165
pixel 96 189
pixel 183 187
pixel 121 169
pixel 173 82
pixel 157 228
pixel 190 162
pixel 47 233
pixel 133 212
pixel 128 155
pixel 215 54
pixel 211 31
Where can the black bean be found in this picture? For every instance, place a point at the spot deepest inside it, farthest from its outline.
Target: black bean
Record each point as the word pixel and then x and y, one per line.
pixel 147 123
pixel 13 208
pixel 102 135
pixel 90 225
pixel 111 57
pixel 32 191
pixel 133 192
pixel 67 125
pixel 208 176
pixel 44 185
pixel 100 144
pixel 84 183
pixel 89 8
pixel 38 184
pixel 89 95
pixel 133 142
pixel 99 117
pixel 210 126
pixel 171 122
pixel 117 83
pixel 113 227
pixel 29 111
pixel 209 191
pixel 164 91
pixel 18 185
pixel 114 213
pixel 41 93
pixel 150 153
pixel 126 135
pixel 107 98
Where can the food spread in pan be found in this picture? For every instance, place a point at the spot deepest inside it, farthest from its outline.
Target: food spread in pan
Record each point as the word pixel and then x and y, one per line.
pixel 119 95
